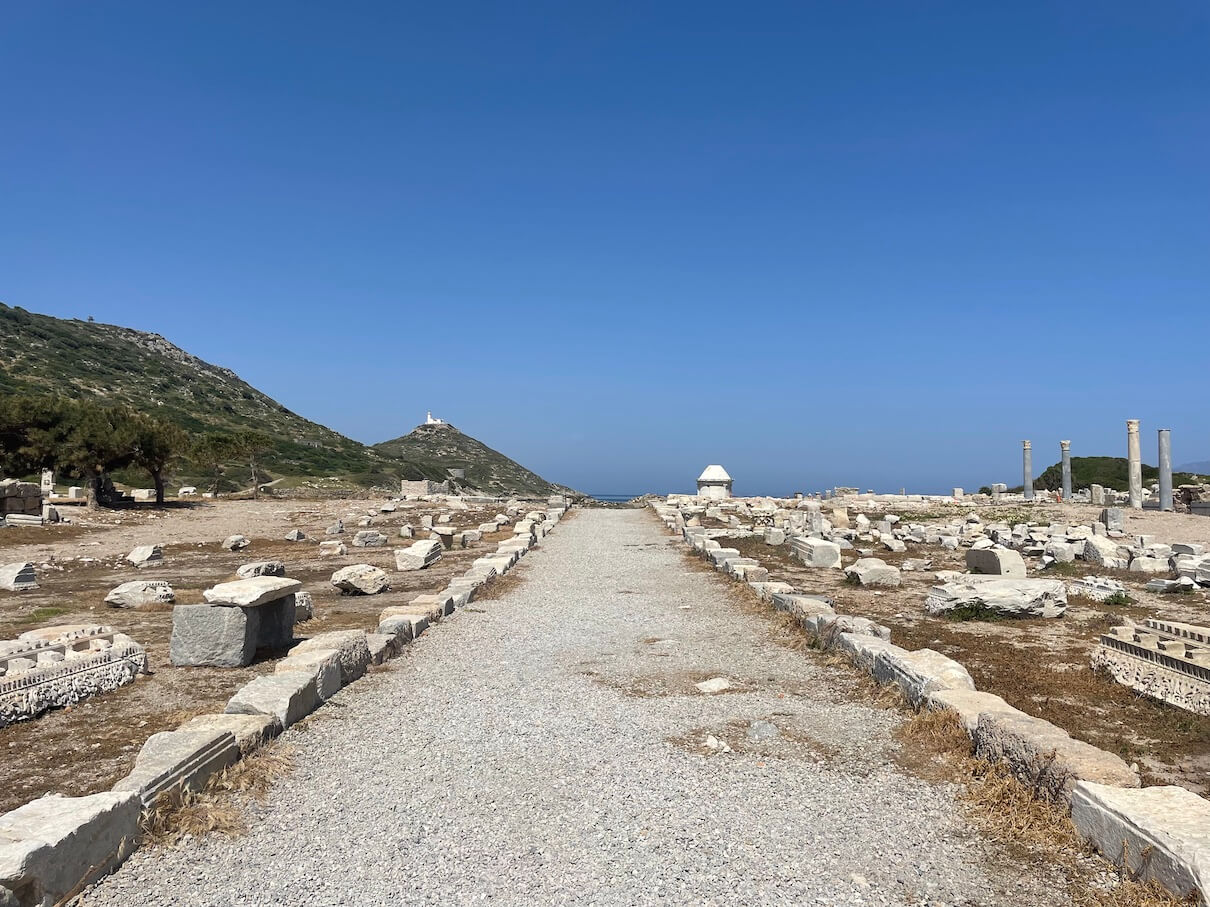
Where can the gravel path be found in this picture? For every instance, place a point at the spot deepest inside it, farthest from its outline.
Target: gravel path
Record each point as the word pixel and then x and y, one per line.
pixel 550 747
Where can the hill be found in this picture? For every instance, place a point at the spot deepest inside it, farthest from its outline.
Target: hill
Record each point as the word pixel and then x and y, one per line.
pixel 1111 472
pixel 40 354
pixel 442 446
pixel 1201 468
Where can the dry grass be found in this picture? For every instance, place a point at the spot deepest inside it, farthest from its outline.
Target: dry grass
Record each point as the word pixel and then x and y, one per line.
pixel 1019 815
pixel 214 809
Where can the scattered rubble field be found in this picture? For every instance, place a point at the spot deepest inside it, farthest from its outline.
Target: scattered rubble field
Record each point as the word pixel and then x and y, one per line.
pixel 87 747
pixel 1040 666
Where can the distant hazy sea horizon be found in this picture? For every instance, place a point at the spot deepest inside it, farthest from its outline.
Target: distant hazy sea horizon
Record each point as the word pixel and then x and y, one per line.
pixel 615 498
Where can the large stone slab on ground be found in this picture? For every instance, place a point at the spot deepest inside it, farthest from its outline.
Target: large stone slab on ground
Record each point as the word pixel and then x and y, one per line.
pixel 816 552
pixel 220 637
pixel 968 705
pixel 324 664
pixel 352 646
pixel 180 760
pixel 251 592
pixel 262 568
pixel 872 571
pixel 361 579
pixel 289 697
pixel 995 562
pixel 1161 834
pixel 1007 597
pixel 1105 552
pixel 1045 756
pixel 920 672
pixel 141 594
pixel 51 847
pixel 418 555
pixel 146 555
pixel 250 731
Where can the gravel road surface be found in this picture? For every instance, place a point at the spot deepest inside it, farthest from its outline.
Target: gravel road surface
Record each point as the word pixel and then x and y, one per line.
pixel 550 747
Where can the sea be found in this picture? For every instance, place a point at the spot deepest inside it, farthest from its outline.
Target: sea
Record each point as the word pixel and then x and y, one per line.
pixel 614 498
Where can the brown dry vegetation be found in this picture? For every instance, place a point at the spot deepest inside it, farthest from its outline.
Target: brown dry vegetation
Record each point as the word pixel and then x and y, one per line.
pixel 1039 666
pixel 86 748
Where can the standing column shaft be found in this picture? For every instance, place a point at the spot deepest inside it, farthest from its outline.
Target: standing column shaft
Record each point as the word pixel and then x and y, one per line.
pixel 1165 469
pixel 1134 463
pixel 1027 463
pixel 1065 447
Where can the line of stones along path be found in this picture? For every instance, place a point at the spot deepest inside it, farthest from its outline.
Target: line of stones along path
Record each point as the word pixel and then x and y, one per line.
pixel 548 747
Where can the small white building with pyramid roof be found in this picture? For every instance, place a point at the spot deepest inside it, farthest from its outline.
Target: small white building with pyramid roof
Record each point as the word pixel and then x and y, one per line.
pixel 714 484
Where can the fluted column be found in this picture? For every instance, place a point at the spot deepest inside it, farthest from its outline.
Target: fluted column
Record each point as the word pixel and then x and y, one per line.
pixel 1165 469
pixel 1134 463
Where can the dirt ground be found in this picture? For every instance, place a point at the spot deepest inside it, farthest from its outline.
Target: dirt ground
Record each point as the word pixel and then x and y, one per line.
pixel 1041 666
pixel 86 748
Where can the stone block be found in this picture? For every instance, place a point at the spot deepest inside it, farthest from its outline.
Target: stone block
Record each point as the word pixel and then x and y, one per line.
pixel 1105 552
pixel 250 731
pixel 52 847
pixel 145 555
pixel 817 552
pixel 174 761
pixel 361 579
pixel 288 697
pixel 920 672
pixel 18 577
pixel 1144 564
pixel 418 555
pixel 251 592
pixel 221 637
pixel 141 594
pixel 236 542
pixel 1159 834
pixel 872 571
pixel 369 538
pixel 1045 757
pixel 350 644
pixel 967 705
pixel 995 562
pixel 1114 519
pixel 262 568
pixel 324 666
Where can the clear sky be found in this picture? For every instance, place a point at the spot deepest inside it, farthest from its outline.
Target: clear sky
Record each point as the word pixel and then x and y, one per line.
pixel 820 243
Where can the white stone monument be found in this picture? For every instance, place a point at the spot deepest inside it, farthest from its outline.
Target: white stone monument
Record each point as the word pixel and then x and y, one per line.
pixel 714 484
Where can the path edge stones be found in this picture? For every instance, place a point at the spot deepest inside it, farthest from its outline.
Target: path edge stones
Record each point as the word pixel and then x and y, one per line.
pixel 53 847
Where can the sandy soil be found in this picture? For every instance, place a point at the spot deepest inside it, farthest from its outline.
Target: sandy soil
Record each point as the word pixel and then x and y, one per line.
pixel 87 748
pixel 1040 666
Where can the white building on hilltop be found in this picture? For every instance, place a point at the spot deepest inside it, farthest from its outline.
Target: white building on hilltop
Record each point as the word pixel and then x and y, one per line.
pixel 429 420
pixel 714 484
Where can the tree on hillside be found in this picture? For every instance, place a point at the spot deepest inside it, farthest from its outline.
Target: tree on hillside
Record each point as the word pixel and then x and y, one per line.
pixel 251 445
pixel 33 430
pixel 157 443
pixel 213 451
pixel 99 440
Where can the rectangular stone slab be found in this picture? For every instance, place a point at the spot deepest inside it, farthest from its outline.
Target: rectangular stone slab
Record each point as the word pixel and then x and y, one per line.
pixel 289 696
pixel 252 592
pixel 220 637
pixel 1161 833
pixel 183 759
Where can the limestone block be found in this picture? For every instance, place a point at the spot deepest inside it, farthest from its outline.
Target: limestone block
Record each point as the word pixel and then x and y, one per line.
pixel 332 549
pixel 250 731
pixel 179 760
pixel 262 568
pixel 361 579
pixel 968 705
pixel 893 544
pixel 18 577
pixel 146 554
pixel 1009 597
pixel 403 625
pixel 1144 564
pixel 206 635
pixel 862 649
pixel 1045 757
pixel 236 542
pixel 295 535
pixel 872 571
pixel 920 672
pixel 323 664
pixel 1062 552
pixel 1188 548
pixel 51 847
pixel 276 629
pixel 252 592
pixel 383 647
pixel 369 538
pixel 1162 834
pixel 817 552
pixel 1104 552
pixel 141 594
pixel 304 606
pixel 1114 519
pixel 995 562
pixel 351 646
pixel 418 555
pixel 289 697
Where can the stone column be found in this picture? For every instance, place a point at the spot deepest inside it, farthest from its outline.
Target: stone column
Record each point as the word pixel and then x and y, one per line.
pixel 1134 463
pixel 1065 451
pixel 1027 458
pixel 1165 469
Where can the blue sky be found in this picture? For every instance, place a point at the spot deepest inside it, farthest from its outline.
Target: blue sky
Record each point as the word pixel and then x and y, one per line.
pixel 830 243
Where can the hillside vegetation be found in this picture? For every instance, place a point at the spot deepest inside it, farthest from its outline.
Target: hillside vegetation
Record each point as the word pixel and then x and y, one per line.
pixel 85 360
pixel 1111 472
pixel 443 446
